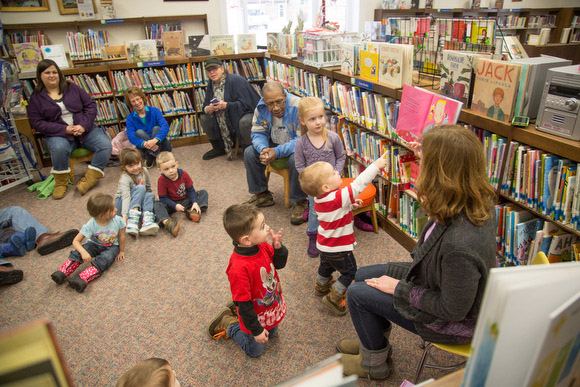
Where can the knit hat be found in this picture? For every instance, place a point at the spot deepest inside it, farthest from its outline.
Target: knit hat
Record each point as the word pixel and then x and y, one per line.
pixel 212 62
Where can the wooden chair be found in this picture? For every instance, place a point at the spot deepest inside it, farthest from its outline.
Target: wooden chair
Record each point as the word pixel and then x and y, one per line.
pixel 461 350
pixel 78 155
pixel 279 167
pixel 368 198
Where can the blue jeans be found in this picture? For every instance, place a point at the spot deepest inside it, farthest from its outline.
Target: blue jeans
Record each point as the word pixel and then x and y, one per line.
pixel 373 311
pixel 164 145
pixel 255 174
pixel 246 340
pixel 343 262
pixel 96 141
pixel 162 212
pixel 312 216
pixel 139 198
pixel 103 256
pixel 20 220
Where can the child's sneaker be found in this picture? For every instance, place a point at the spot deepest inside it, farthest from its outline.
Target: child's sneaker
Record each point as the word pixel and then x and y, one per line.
pixel 192 215
pixel 149 227
pixel 218 327
pixel 133 217
pixel 335 302
pixel 323 289
pixel 172 227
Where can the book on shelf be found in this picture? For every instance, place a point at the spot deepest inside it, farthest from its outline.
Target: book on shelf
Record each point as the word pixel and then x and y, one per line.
pixel 247 43
pixel 565 37
pixel 56 53
pixel 107 9
pixel 142 50
pixel 514 315
pixel 422 109
pixel 173 44
pixel 27 56
pixel 349 58
pixel 369 63
pixel 273 43
pixel 512 46
pixel 457 74
pixel 561 247
pixel 495 89
pixel 396 64
pixel 199 45
pixel 544 37
pixel 222 44
pixel 300 44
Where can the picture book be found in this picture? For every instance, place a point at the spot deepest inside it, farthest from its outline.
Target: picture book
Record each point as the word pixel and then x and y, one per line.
pixel 247 43
pixel 272 42
pixel 199 45
pixel 27 56
pixel 142 50
pixel 56 53
pixel 457 75
pixel 495 89
pixel 514 49
pixel 173 44
pixel 395 64
pixel 421 110
pixel 369 62
pixel 514 313
pixel 349 58
pixel 525 233
pixel 556 360
pixel 222 44
pixel 549 184
pixel 561 247
pixel 300 45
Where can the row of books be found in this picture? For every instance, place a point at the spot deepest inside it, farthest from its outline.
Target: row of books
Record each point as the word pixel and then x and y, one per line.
pixel 199 97
pixel 154 31
pixel 112 130
pixel 39 38
pixel 177 103
pixel 106 112
pixel 387 63
pixel 538 21
pixel 544 182
pixel 95 86
pixel 205 45
pixel 149 79
pixel 184 126
pixel 511 21
pixel 85 45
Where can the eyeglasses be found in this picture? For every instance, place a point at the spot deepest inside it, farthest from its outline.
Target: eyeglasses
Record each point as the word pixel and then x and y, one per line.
pixel 212 69
pixel 277 103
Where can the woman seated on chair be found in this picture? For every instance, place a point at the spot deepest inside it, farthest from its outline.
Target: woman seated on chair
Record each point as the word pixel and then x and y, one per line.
pixel 147 129
pixel 65 114
pixel 436 296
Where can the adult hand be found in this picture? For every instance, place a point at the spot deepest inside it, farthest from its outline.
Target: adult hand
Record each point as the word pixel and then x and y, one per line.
pixel 267 156
pixel 262 337
pixel 149 144
pixel 70 130
pixel 79 130
pixel 221 105
pixel 211 108
pixel 385 284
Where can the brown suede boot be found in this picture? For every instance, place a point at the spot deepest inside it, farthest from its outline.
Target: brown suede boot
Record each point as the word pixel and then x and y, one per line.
pixel 368 364
pixel 89 180
pixel 218 327
pixel 352 346
pixel 61 179
pixel 323 289
pixel 335 302
pixel 50 242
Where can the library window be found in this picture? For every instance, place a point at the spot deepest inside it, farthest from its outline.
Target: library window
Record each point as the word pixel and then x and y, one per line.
pixel 262 16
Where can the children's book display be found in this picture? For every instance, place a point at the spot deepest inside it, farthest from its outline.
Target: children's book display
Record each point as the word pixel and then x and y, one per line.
pixel 350 58
pixel 457 74
pixel 142 50
pixel 495 89
pixel 199 45
pixel 396 64
pixel 173 44
pixel 247 43
pixel 27 56
pixel 369 64
pixel 222 44
pixel 421 110
pixel 520 335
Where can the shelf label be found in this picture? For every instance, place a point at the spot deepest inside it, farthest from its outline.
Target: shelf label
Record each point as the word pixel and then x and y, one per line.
pixel 151 63
pixel 112 21
pixel 516 10
pixel 444 10
pixel 361 83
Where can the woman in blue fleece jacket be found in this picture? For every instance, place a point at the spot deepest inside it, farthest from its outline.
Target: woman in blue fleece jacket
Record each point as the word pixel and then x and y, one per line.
pixel 147 129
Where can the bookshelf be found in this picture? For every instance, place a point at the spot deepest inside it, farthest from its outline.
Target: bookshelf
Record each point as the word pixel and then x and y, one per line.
pixel 285 70
pixel 176 86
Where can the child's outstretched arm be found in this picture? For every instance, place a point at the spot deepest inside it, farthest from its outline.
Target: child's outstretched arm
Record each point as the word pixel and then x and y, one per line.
pixel 121 254
pixel 280 256
pixel 77 244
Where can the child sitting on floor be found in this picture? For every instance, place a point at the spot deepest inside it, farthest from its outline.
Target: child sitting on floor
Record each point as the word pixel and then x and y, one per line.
pixel 335 232
pixel 134 195
pixel 254 282
pixel 176 193
pixel 106 243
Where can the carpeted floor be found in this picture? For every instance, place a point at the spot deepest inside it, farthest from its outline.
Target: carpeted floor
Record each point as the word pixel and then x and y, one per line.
pixel 159 300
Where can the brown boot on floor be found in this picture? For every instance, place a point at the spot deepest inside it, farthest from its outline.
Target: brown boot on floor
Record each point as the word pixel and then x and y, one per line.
pixel 335 302
pixel 368 364
pixel 352 346
pixel 10 275
pixel 89 180
pixel 322 290
pixel 218 327
pixel 61 179
pixel 50 242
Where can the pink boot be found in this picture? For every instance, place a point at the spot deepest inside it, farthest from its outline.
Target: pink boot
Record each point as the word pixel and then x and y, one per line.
pixel 312 249
pixel 65 271
pixel 362 225
pixel 79 283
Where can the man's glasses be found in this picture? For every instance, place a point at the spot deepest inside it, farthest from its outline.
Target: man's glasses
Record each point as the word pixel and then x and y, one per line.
pixel 277 103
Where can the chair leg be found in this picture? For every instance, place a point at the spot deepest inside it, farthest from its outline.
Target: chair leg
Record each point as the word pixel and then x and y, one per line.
pixel 71 174
pixel 287 191
pixel 237 148
pixel 428 347
pixel 374 219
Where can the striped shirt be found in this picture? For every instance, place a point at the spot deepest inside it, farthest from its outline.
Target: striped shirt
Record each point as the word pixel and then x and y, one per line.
pixel 334 210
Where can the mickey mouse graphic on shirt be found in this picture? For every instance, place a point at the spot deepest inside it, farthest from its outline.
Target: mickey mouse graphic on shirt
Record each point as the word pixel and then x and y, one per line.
pixel 181 192
pixel 271 285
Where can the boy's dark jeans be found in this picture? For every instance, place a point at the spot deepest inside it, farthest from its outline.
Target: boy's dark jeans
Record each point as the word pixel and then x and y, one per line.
pixel 342 261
